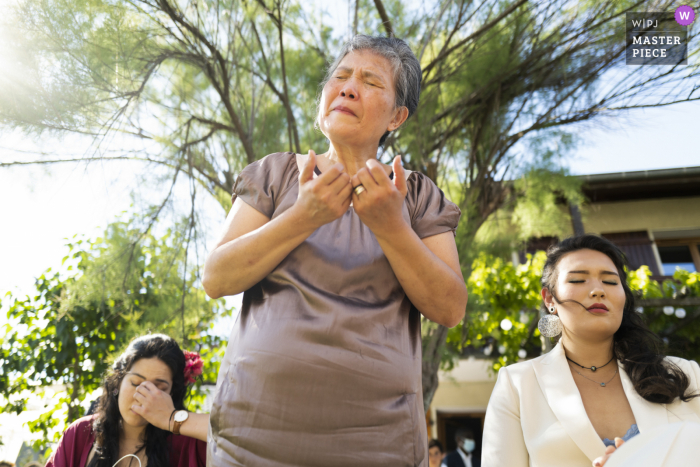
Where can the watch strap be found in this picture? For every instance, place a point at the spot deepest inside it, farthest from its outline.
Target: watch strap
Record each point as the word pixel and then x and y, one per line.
pixel 177 424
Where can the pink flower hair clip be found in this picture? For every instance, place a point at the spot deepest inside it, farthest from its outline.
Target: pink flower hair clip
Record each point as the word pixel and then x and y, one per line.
pixel 193 366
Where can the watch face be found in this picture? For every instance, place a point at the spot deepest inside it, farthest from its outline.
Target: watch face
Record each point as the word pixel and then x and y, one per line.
pixel 181 416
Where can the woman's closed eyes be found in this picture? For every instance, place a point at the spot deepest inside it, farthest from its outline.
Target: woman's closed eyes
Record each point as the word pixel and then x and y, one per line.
pixel 582 281
pixel 136 382
pixel 342 77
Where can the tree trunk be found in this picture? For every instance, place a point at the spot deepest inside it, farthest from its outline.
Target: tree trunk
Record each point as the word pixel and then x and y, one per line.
pixel 291 121
pixel 354 23
pixel 576 220
pixel 73 407
pixel 431 363
pixel 385 18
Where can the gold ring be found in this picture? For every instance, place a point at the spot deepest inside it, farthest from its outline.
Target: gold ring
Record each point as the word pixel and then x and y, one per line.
pixel 359 189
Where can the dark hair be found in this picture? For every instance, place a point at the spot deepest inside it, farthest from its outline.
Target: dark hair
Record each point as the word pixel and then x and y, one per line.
pixel 108 420
pixel 654 377
pixel 405 65
pixel 466 433
pixel 433 443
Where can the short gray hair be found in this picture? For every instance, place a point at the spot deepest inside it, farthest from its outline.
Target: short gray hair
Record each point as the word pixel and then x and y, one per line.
pixel 405 65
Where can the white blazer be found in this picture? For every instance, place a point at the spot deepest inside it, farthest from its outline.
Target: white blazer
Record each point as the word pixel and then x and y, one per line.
pixel 536 417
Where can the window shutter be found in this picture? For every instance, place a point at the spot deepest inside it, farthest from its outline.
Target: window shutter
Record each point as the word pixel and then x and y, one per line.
pixel 638 248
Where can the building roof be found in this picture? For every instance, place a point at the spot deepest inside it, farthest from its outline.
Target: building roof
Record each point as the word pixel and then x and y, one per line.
pixel 644 184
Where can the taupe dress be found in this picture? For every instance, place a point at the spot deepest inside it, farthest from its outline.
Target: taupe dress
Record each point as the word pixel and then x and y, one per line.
pixel 323 367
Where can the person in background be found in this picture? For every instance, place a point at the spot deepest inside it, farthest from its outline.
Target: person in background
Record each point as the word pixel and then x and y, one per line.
pixel 462 456
pixel 606 378
pixel 435 453
pixel 151 368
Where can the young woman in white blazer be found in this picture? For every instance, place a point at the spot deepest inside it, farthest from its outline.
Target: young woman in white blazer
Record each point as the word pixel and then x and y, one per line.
pixel 606 378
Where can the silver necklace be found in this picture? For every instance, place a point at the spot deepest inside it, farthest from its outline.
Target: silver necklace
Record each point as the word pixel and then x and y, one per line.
pixel 602 384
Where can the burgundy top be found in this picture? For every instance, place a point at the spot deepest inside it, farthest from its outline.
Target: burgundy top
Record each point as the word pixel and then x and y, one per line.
pixel 77 441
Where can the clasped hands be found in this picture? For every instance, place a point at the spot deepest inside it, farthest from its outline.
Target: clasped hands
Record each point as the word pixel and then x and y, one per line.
pixel 327 197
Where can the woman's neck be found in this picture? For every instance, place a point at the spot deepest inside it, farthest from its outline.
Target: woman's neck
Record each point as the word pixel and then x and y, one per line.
pixel 353 158
pixel 131 434
pixel 587 353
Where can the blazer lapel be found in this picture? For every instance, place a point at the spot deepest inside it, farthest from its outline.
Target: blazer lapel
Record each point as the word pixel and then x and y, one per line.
pixel 647 414
pixel 556 382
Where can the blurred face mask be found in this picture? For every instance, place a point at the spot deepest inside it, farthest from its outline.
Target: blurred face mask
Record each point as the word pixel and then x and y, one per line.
pixel 468 445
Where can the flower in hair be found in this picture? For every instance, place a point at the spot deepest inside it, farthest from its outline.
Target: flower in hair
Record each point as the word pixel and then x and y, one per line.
pixel 193 366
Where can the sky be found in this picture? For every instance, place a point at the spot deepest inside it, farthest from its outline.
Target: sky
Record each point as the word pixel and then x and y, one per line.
pixel 647 139
pixel 41 207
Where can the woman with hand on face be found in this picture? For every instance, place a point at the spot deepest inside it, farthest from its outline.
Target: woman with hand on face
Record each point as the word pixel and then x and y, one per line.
pixel 338 255
pixel 148 380
pixel 607 377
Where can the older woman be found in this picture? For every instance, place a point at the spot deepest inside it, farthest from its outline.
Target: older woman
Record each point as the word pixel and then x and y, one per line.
pixel 606 379
pixel 337 255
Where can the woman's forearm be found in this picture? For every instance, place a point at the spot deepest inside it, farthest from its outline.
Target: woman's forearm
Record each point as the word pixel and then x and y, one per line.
pixel 196 426
pixel 253 245
pixel 438 291
pixel 238 264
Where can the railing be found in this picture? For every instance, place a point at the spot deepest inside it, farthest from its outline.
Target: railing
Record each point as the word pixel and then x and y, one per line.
pixel 675 302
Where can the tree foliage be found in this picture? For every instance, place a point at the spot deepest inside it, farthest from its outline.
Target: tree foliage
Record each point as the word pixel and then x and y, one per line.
pixel 678 324
pixel 505 301
pixel 505 306
pixel 204 88
pixel 60 341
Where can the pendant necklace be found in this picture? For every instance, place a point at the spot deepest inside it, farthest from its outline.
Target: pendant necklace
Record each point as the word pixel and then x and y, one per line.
pixel 597 382
pixel 593 368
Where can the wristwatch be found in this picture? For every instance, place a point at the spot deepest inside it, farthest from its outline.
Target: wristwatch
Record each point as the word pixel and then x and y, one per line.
pixel 180 417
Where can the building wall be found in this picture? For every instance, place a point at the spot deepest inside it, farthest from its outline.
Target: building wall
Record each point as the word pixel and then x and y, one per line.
pixel 650 215
pixel 466 389
pixel 462 396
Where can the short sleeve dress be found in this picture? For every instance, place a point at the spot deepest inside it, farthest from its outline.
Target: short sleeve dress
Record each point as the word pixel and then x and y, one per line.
pixel 323 366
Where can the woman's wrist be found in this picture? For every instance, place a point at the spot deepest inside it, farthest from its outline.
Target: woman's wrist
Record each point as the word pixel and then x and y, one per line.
pixel 390 231
pixel 169 427
pixel 302 219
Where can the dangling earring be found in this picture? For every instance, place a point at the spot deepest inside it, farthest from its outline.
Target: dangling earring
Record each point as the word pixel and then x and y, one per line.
pixel 115 393
pixel 550 325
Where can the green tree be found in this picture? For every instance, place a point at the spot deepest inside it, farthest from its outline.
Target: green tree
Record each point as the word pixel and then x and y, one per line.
pixel 506 307
pixel 671 309
pixel 200 89
pixel 63 338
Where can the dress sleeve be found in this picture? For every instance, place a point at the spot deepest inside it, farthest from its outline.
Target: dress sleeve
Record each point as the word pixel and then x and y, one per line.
pixel 75 440
pixel 60 455
pixel 431 213
pixel 261 183
pixel 200 454
pixel 187 452
pixel 503 442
